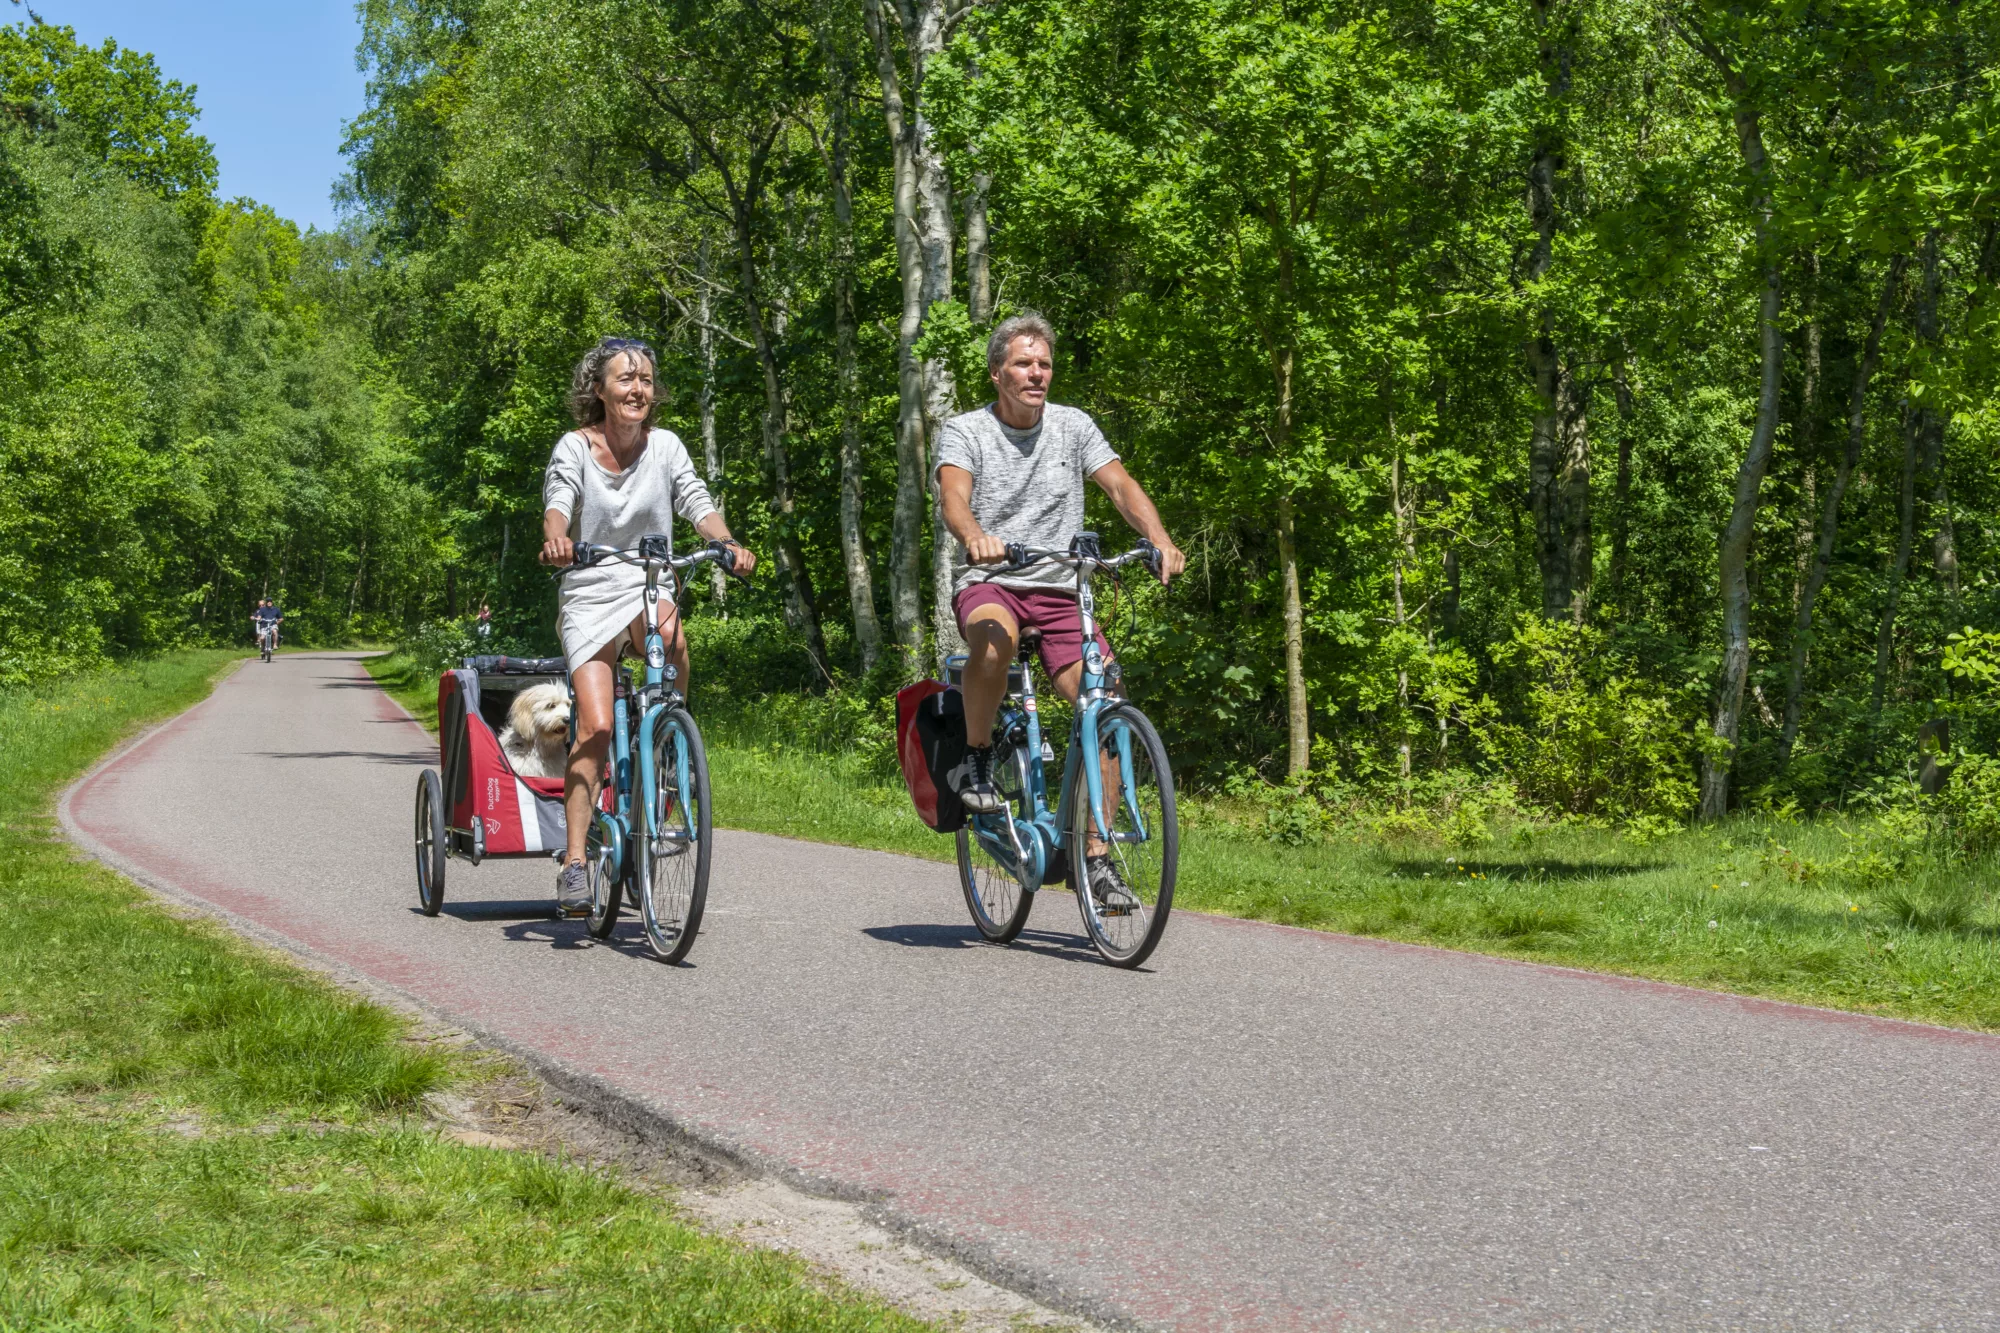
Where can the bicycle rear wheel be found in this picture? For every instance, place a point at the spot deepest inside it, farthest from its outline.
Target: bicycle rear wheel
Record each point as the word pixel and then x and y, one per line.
pixel 999 904
pixel 605 888
pixel 675 843
pixel 1125 912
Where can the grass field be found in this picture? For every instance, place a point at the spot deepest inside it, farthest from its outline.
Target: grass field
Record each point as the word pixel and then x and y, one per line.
pixel 1849 914
pixel 195 1134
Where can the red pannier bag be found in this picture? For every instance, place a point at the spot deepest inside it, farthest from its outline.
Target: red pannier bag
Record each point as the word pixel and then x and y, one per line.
pixel 930 743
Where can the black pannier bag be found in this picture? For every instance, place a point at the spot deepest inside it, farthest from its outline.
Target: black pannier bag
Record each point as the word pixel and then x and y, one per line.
pixel 930 743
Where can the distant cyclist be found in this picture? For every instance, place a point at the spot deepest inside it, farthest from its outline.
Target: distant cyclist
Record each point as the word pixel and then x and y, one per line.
pixel 1013 471
pixel 265 621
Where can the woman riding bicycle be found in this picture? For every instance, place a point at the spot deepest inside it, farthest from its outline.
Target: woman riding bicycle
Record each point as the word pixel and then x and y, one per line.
pixel 611 481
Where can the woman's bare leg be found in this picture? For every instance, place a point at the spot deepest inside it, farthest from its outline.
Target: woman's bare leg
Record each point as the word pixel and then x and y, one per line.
pixel 594 684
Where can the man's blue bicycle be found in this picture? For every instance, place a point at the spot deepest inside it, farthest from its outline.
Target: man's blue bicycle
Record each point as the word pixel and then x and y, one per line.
pixel 649 844
pixel 1112 838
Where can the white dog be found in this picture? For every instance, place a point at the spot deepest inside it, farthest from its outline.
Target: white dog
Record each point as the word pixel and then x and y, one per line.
pixel 536 738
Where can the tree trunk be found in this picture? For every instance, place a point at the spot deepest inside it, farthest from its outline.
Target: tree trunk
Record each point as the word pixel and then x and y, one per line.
pixel 1576 496
pixel 1298 727
pixel 1621 495
pixel 853 549
pixel 801 607
pixel 711 447
pixel 912 484
pixel 1934 422
pixel 1558 444
pixel 1899 566
pixel 1448 603
pixel 978 250
pixel 926 26
pixel 1733 564
pixel 1829 524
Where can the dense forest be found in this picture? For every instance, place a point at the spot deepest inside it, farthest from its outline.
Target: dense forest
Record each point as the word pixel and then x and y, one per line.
pixel 1595 395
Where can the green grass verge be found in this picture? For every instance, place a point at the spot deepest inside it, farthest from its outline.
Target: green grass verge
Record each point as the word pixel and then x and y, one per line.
pixel 197 1134
pixel 1750 906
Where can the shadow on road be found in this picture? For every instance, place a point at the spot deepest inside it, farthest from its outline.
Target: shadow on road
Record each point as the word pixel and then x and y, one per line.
pixel 1069 948
pixel 628 938
pixel 526 909
pixel 346 683
pixel 373 756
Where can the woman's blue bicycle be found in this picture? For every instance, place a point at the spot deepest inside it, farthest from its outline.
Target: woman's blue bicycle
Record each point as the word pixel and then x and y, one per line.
pixel 1112 838
pixel 650 842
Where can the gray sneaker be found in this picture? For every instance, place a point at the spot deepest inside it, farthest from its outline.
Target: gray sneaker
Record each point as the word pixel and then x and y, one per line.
pixel 1108 887
pixel 573 890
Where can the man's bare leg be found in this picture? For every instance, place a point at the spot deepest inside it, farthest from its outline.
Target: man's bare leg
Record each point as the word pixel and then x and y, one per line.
pixel 992 636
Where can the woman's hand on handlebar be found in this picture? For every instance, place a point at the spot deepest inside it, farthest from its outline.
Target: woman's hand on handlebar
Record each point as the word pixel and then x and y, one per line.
pixel 743 558
pixel 557 551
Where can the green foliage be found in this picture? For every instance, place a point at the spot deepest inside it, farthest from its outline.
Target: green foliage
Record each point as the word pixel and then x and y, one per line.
pixel 1593 739
pixel 191 414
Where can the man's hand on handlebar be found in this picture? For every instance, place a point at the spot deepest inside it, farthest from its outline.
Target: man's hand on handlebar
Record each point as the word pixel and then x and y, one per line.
pixel 986 549
pixel 1171 561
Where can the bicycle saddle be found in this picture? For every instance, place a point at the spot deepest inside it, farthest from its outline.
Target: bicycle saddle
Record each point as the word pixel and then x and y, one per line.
pixel 1031 641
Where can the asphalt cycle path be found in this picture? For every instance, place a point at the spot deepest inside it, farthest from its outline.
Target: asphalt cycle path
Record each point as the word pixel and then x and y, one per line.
pixel 1264 1129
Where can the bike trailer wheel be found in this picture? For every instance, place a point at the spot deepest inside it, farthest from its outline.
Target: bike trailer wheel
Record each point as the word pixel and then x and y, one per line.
pixel 433 849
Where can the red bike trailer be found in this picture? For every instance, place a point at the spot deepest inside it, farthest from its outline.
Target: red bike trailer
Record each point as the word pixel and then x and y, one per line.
pixel 473 805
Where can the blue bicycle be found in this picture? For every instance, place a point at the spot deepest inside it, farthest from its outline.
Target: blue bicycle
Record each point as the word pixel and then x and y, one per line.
pixel 1112 838
pixel 650 842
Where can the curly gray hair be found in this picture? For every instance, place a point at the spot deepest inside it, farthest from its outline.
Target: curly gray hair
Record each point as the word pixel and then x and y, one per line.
pixel 1027 324
pixel 584 404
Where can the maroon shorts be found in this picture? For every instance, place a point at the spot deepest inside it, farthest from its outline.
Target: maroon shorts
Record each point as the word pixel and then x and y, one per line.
pixel 1050 610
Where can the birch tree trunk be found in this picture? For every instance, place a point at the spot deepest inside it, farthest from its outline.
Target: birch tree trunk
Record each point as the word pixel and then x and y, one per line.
pixel 1298 720
pixel 1829 523
pixel 925 212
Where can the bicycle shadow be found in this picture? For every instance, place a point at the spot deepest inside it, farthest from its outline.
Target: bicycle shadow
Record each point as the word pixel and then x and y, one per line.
pixel 1046 943
pixel 627 938
pixel 499 909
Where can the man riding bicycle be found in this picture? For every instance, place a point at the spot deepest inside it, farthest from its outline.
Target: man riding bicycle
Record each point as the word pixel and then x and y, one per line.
pixel 264 620
pixel 1013 472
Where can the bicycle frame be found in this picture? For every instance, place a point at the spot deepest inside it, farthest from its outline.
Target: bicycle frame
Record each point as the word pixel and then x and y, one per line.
pixel 1031 841
pixel 656 696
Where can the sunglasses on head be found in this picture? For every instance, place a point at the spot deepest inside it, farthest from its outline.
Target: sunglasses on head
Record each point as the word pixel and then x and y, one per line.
pixel 628 345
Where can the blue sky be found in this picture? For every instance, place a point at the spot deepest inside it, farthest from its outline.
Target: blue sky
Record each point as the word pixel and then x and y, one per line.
pixel 276 82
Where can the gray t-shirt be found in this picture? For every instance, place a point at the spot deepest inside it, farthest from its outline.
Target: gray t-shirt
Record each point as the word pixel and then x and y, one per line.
pixel 1027 485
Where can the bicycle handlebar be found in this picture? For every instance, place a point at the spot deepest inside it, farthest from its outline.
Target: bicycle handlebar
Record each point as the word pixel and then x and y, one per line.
pixel 651 551
pixel 1020 557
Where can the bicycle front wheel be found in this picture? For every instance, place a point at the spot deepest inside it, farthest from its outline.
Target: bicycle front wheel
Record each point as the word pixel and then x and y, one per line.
pixel 1123 872
pixel 673 877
